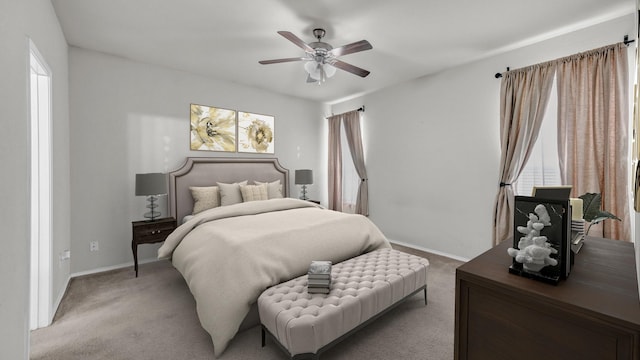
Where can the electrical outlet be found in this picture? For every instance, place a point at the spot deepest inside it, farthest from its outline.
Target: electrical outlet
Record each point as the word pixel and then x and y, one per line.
pixel 93 246
pixel 65 255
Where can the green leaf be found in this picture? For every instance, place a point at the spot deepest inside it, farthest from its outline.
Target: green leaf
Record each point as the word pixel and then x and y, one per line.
pixel 591 203
pixel 604 215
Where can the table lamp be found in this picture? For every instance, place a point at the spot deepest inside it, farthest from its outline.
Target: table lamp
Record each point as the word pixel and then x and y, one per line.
pixel 151 185
pixel 304 177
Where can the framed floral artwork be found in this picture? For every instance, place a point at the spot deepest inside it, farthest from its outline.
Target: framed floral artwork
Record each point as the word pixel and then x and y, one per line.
pixel 213 129
pixel 256 133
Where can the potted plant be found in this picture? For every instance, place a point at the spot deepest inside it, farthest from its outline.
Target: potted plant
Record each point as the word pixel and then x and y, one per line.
pixel 592 212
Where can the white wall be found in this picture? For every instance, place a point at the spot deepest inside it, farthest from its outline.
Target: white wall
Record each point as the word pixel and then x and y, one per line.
pixel 432 145
pixel 128 117
pixel 20 20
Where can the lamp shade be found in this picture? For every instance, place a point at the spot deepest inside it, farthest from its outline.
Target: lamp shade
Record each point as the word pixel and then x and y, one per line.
pixel 316 70
pixel 151 184
pixel 304 177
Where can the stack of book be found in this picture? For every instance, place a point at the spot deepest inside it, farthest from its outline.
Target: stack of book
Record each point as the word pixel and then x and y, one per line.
pixel 577 235
pixel 319 277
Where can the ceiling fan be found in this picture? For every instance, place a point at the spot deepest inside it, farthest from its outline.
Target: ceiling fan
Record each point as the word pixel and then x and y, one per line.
pixel 321 58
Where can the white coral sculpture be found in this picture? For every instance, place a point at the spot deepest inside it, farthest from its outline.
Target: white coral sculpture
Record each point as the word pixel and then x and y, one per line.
pixel 534 252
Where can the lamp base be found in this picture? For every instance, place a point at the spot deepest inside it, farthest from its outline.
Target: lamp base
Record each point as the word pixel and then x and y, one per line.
pixel 303 195
pixel 152 214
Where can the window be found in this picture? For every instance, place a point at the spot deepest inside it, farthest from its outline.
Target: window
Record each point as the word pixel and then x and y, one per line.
pixel 350 178
pixel 543 166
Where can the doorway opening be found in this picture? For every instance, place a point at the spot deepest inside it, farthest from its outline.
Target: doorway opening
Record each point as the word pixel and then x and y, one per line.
pixel 40 216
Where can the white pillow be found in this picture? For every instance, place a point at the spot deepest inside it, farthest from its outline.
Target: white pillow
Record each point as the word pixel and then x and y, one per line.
pixel 254 192
pixel 204 198
pixel 274 189
pixel 230 193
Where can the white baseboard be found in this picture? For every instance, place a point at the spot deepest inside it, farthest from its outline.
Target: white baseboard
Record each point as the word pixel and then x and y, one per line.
pixel 112 267
pixel 436 252
pixel 56 304
pixel 58 301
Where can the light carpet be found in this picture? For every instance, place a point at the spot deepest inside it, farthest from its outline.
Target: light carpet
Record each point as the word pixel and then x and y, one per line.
pixel 116 316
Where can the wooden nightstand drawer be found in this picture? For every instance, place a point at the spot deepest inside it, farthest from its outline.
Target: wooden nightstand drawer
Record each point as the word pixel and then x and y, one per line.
pixel 147 232
pixel 152 231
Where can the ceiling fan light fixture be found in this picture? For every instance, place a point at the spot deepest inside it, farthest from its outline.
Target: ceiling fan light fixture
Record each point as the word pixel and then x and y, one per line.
pixel 329 70
pixel 319 71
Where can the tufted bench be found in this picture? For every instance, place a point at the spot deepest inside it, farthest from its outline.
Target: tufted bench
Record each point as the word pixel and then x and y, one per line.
pixel 362 289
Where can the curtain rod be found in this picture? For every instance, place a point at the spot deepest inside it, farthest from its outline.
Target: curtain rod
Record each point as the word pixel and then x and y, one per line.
pixel 626 42
pixel 361 108
pixel 499 75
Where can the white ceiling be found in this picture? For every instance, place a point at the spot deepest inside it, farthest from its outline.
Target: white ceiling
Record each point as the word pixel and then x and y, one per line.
pixel 410 38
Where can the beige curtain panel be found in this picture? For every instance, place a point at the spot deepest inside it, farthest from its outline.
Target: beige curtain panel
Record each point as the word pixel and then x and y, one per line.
pixel 593 120
pixel 354 139
pixel 524 94
pixel 335 163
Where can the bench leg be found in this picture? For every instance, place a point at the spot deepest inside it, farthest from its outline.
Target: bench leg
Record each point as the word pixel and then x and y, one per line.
pixel 425 295
pixel 307 356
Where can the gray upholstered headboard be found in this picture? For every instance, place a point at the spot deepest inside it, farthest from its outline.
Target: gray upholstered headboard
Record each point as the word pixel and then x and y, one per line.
pixel 198 171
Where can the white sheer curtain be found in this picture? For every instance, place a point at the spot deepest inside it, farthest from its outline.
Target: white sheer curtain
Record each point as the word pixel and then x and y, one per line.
pixel 349 178
pixel 542 168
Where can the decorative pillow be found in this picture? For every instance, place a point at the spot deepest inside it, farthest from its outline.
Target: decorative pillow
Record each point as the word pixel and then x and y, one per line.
pixel 274 189
pixel 204 197
pixel 254 192
pixel 230 193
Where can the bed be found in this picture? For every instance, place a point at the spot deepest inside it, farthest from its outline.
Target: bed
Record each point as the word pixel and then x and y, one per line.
pixel 230 253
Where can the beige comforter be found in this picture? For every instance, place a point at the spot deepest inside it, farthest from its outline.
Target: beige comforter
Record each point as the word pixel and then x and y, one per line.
pixel 229 255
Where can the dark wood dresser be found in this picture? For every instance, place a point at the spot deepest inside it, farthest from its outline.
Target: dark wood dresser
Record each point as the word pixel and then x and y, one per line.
pixel 594 314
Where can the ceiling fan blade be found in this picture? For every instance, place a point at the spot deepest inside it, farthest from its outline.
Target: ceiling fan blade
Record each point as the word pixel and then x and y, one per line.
pixel 275 61
pixel 350 68
pixel 357 46
pixel 310 79
pixel 296 40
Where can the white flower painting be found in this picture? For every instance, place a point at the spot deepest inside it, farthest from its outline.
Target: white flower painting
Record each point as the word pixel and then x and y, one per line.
pixel 255 133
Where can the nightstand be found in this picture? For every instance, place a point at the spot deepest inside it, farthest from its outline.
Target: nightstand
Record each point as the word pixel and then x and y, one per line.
pixel 148 232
